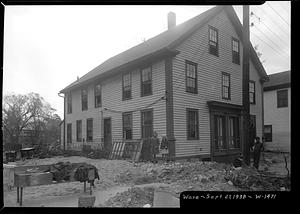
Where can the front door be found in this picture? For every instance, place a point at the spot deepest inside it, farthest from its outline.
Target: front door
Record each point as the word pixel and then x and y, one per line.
pixel 107 134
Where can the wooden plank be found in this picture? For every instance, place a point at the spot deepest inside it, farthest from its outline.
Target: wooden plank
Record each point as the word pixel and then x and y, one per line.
pixel 139 152
pixel 117 150
pixel 112 151
pixel 122 149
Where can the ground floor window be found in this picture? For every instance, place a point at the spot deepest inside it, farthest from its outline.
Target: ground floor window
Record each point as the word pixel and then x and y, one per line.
pixel 192 124
pixel 268 133
pixel 89 130
pixel 69 133
pixel 78 130
pixel 147 123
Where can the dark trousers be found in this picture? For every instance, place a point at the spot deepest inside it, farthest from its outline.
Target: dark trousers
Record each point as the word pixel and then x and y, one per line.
pixel 256 156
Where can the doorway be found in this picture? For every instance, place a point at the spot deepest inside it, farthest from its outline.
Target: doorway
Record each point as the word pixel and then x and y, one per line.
pixel 107 134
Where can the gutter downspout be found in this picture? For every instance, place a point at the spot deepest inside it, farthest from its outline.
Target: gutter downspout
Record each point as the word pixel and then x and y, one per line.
pixel 64 140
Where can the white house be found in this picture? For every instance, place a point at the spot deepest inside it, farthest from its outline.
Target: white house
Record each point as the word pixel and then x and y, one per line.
pixel 277 112
pixel 185 83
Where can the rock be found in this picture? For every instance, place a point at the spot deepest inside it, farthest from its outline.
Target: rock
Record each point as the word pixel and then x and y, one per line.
pixel 190 187
pixel 237 168
pixel 230 183
pixel 282 189
pixel 147 205
pixel 128 200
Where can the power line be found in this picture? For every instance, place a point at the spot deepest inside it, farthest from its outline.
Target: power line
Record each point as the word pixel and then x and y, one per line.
pixel 274 22
pixel 278 14
pixel 266 36
pixel 268 44
pixel 268 27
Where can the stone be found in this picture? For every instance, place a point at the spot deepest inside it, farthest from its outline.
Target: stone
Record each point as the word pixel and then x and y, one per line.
pixel 147 205
pixel 282 189
pixel 230 183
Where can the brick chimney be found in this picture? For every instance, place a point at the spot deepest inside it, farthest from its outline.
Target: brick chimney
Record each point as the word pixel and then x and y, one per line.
pixel 171 20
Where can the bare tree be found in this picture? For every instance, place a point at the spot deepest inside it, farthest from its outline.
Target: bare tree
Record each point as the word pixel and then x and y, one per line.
pixel 21 112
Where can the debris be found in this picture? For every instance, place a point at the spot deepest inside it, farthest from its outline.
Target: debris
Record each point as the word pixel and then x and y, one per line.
pixel 230 183
pixel 86 201
pixel 147 205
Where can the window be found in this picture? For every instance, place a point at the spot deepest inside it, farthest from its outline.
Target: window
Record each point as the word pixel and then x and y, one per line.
pixel 146 81
pixel 252 92
pixel 191 76
pixel 127 126
pixel 97 91
pixel 282 98
pixel 213 41
pixel 84 99
pixel 192 124
pixel 268 133
pixel 147 123
pixel 226 86
pixel 235 51
pixel 69 103
pixel 89 130
pixel 234 134
pixel 127 86
pixel 69 133
pixel 78 130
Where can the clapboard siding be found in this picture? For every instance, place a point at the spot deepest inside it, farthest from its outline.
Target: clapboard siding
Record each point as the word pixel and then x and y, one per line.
pixel 280 119
pixel 112 99
pixel 210 69
pixel 257 108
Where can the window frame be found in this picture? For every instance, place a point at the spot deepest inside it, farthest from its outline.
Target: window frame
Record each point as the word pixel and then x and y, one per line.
pixel 254 93
pixel 123 87
pixel 234 52
pixel 82 101
pixel 229 87
pixel 78 139
pixel 286 104
pixel 187 88
pixel 271 134
pixel 97 105
pixel 188 110
pixel 125 127
pixel 216 42
pixel 142 83
pixel 69 103
pixel 142 122
pixel 87 130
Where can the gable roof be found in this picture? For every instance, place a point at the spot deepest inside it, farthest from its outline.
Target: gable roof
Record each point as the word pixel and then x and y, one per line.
pixel 278 80
pixel 162 45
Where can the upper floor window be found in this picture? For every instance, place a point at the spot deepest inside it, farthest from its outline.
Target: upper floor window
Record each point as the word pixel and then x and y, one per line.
pixel 282 98
pixel 213 41
pixel 191 76
pixel 226 86
pixel 89 130
pixel 146 83
pixel 97 91
pixel 127 126
pixel 84 99
pixel 192 124
pixel 69 103
pixel 127 86
pixel 235 51
pixel 252 92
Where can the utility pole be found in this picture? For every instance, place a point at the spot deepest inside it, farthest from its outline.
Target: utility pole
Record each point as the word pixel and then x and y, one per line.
pixel 246 102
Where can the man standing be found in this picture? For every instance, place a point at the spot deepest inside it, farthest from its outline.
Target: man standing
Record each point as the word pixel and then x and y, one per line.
pixel 257 148
pixel 154 147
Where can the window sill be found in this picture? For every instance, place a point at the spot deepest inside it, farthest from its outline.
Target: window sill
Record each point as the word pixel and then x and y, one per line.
pixel 145 95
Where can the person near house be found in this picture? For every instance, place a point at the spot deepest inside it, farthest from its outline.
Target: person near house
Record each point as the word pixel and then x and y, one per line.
pixel 154 147
pixel 257 148
pixel 164 147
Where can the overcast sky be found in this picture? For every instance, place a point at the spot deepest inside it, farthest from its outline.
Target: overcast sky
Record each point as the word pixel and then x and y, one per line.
pixel 47 47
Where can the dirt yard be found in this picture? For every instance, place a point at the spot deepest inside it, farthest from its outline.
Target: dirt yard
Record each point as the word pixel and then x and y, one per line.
pixel 126 184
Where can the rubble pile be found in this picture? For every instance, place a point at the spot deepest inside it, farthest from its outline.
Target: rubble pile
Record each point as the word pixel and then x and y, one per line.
pixel 134 197
pixel 249 179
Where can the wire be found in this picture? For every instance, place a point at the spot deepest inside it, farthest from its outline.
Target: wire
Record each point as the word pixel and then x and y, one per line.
pixel 268 27
pixel 137 109
pixel 268 44
pixel 278 14
pixel 267 36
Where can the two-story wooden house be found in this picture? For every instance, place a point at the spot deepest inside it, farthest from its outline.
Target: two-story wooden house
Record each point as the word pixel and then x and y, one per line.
pixel 185 83
pixel 277 117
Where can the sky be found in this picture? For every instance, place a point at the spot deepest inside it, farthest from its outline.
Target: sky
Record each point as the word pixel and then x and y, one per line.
pixel 47 47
